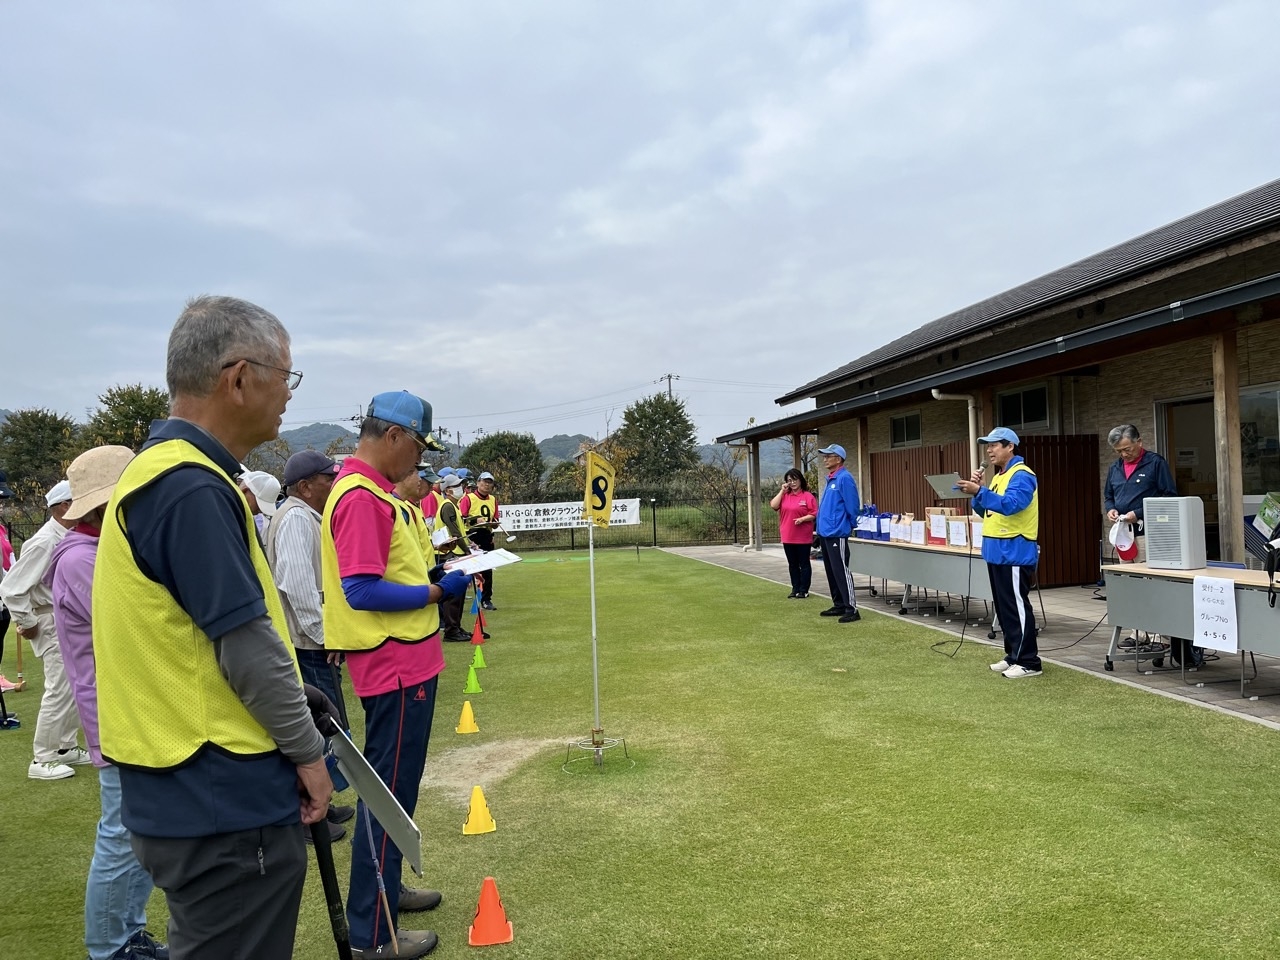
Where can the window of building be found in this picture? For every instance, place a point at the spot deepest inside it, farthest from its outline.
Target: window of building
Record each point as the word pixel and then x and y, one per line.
pixel 904 431
pixel 1026 409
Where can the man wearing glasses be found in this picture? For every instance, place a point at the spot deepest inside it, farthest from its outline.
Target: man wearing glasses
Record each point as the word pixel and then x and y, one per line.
pixel 381 610
pixel 200 703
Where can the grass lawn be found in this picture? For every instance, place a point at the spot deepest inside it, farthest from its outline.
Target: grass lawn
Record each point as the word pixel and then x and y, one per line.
pixel 800 789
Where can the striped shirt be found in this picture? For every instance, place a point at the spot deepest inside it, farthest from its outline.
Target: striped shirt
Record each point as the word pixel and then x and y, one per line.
pixel 295 567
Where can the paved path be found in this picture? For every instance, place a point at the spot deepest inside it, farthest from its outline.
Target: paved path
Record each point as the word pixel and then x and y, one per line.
pixel 1070 612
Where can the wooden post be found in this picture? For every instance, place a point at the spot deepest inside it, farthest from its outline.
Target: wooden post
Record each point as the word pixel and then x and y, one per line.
pixel 864 462
pixel 987 411
pixel 795 451
pixel 1226 429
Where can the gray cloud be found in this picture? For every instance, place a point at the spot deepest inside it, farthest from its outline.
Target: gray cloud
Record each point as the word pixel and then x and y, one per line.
pixel 507 206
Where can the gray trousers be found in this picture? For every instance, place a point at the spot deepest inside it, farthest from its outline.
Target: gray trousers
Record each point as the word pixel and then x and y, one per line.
pixel 233 896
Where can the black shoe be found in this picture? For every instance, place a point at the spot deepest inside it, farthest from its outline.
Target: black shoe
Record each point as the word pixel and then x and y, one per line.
pixel 414 900
pixel 853 616
pixel 457 636
pixel 488 605
pixel 802 596
pixel 336 832
pixel 832 612
pixel 792 595
pixel 339 813
pixel 143 944
pixel 409 944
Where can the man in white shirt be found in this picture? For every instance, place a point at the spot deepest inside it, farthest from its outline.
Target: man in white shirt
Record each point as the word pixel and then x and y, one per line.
pixel 292 544
pixel 29 601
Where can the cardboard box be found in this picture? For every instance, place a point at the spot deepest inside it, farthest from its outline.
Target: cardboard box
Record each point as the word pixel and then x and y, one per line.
pixel 1268 517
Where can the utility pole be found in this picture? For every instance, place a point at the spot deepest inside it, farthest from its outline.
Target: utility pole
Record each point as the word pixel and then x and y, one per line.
pixel 669 377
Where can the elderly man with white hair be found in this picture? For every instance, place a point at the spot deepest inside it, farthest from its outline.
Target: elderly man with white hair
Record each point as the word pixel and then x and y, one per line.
pixel 24 592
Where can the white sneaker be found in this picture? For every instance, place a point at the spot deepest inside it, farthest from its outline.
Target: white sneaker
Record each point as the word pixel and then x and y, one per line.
pixel 1000 666
pixel 75 757
pixel 1017 672
pixel 49 770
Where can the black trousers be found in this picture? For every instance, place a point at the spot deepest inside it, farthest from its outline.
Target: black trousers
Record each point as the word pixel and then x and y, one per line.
pixel 798 566
pixel 835 557
pixel 233 896
pixel 1011 589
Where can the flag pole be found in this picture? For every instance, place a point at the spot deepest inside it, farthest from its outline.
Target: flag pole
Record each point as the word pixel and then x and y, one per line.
pixel 597 731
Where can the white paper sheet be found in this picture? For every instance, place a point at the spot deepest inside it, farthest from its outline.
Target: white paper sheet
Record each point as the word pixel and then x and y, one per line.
pixel 938 526
pixel 958 533
pixel 1214 611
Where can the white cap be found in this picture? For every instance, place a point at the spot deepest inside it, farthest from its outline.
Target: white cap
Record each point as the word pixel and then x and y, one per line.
pixel 265 489
pixel 60 492
pixel 1121 535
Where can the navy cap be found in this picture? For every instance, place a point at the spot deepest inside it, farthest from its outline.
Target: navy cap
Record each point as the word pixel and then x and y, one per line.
pixel 305 464
pixel 428 474
pixel 998 434
pixel 836 449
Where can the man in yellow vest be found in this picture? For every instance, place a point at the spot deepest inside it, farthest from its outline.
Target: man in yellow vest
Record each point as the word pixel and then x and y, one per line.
pixel 200 704
pixel 381 610
pixel 480 513
pixel 1010 508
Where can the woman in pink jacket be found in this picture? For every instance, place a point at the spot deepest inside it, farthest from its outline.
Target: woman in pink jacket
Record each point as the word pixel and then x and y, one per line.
pixel 797 509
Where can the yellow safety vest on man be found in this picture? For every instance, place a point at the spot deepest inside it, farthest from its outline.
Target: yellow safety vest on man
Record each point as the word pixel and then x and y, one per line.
pixel 439 524
pixel 479 509
pixel 1025 523
pixel 410 557
pixel 148 651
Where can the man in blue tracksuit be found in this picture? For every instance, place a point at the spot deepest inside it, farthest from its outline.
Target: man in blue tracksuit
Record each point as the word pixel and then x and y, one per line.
pixel 1010 508
pixel 837 513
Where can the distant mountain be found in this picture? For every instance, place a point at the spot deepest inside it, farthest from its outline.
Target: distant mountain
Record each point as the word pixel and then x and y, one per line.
pixel 775 458
pixel 561 447
pixel 318 436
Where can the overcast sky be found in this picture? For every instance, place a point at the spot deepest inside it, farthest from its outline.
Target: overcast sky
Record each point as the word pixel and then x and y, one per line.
pixel 529 211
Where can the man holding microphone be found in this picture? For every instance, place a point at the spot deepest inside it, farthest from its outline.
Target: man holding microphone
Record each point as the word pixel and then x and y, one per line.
pixel 1010 508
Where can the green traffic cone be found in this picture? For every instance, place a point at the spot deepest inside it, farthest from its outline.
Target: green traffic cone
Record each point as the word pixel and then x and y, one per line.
pixel 473 683
pixel 477 662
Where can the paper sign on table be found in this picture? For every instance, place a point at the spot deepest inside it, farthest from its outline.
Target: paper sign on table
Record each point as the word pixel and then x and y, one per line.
pixel 917 531
pixel 1214 614
pixel 958 533
pixel 938 526
pixel 977 534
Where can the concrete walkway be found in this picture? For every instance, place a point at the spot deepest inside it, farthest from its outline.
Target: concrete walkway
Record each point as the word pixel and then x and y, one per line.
pixel 1070 613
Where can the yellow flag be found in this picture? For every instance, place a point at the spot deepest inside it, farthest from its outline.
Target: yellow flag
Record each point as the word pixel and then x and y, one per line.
pixel 597 504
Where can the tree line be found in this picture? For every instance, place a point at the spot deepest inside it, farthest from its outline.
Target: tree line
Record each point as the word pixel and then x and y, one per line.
pixel 654 449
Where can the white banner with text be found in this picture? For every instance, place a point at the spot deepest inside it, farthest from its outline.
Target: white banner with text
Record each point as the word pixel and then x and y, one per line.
pixel 521 517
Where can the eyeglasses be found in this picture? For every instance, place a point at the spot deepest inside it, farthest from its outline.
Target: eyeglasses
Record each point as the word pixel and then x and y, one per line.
pixel 422 444
pixel 293 378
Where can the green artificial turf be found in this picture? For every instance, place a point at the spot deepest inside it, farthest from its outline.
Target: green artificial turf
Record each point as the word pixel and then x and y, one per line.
pixel 796 788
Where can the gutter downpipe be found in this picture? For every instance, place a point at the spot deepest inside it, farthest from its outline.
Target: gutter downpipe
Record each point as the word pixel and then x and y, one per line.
pixel 973 421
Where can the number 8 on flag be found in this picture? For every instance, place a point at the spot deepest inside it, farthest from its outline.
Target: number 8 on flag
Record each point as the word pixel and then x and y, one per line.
pixel 598 502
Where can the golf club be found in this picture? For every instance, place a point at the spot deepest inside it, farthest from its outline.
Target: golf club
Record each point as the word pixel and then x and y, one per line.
pixel 510 536
pixel 19 684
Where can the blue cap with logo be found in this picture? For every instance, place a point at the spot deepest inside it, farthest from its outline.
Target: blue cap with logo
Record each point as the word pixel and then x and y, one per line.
pixel 835 449
pixel 999 434
pixel 405 410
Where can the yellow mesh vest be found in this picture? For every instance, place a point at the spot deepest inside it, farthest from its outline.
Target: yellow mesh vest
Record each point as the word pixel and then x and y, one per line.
pixel 161 696
pixel 1023 524
pixel 480 509
pixel 410 557
pixel 438 523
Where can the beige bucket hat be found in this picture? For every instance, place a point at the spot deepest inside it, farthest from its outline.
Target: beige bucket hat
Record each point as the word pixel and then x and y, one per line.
pixel 93 477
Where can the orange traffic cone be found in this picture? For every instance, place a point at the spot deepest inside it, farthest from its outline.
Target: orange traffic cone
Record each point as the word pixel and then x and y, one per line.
pixel 467 722
pixel 479 819
pixel 477 632
pixel 491 924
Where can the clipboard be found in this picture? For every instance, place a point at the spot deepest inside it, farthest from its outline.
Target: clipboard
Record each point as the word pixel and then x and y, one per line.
pixel 944 485
pixel 404 833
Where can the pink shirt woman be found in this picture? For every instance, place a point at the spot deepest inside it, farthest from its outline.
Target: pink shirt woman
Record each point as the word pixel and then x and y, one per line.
pixel 797 508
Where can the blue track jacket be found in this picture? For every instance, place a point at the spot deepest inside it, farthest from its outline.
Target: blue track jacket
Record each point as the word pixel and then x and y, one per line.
pixel 1015 551
pixel 839 507
pixel 1152 478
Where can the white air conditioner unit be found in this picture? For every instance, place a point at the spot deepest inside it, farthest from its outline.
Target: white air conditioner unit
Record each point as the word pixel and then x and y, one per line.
pixel 1174 527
